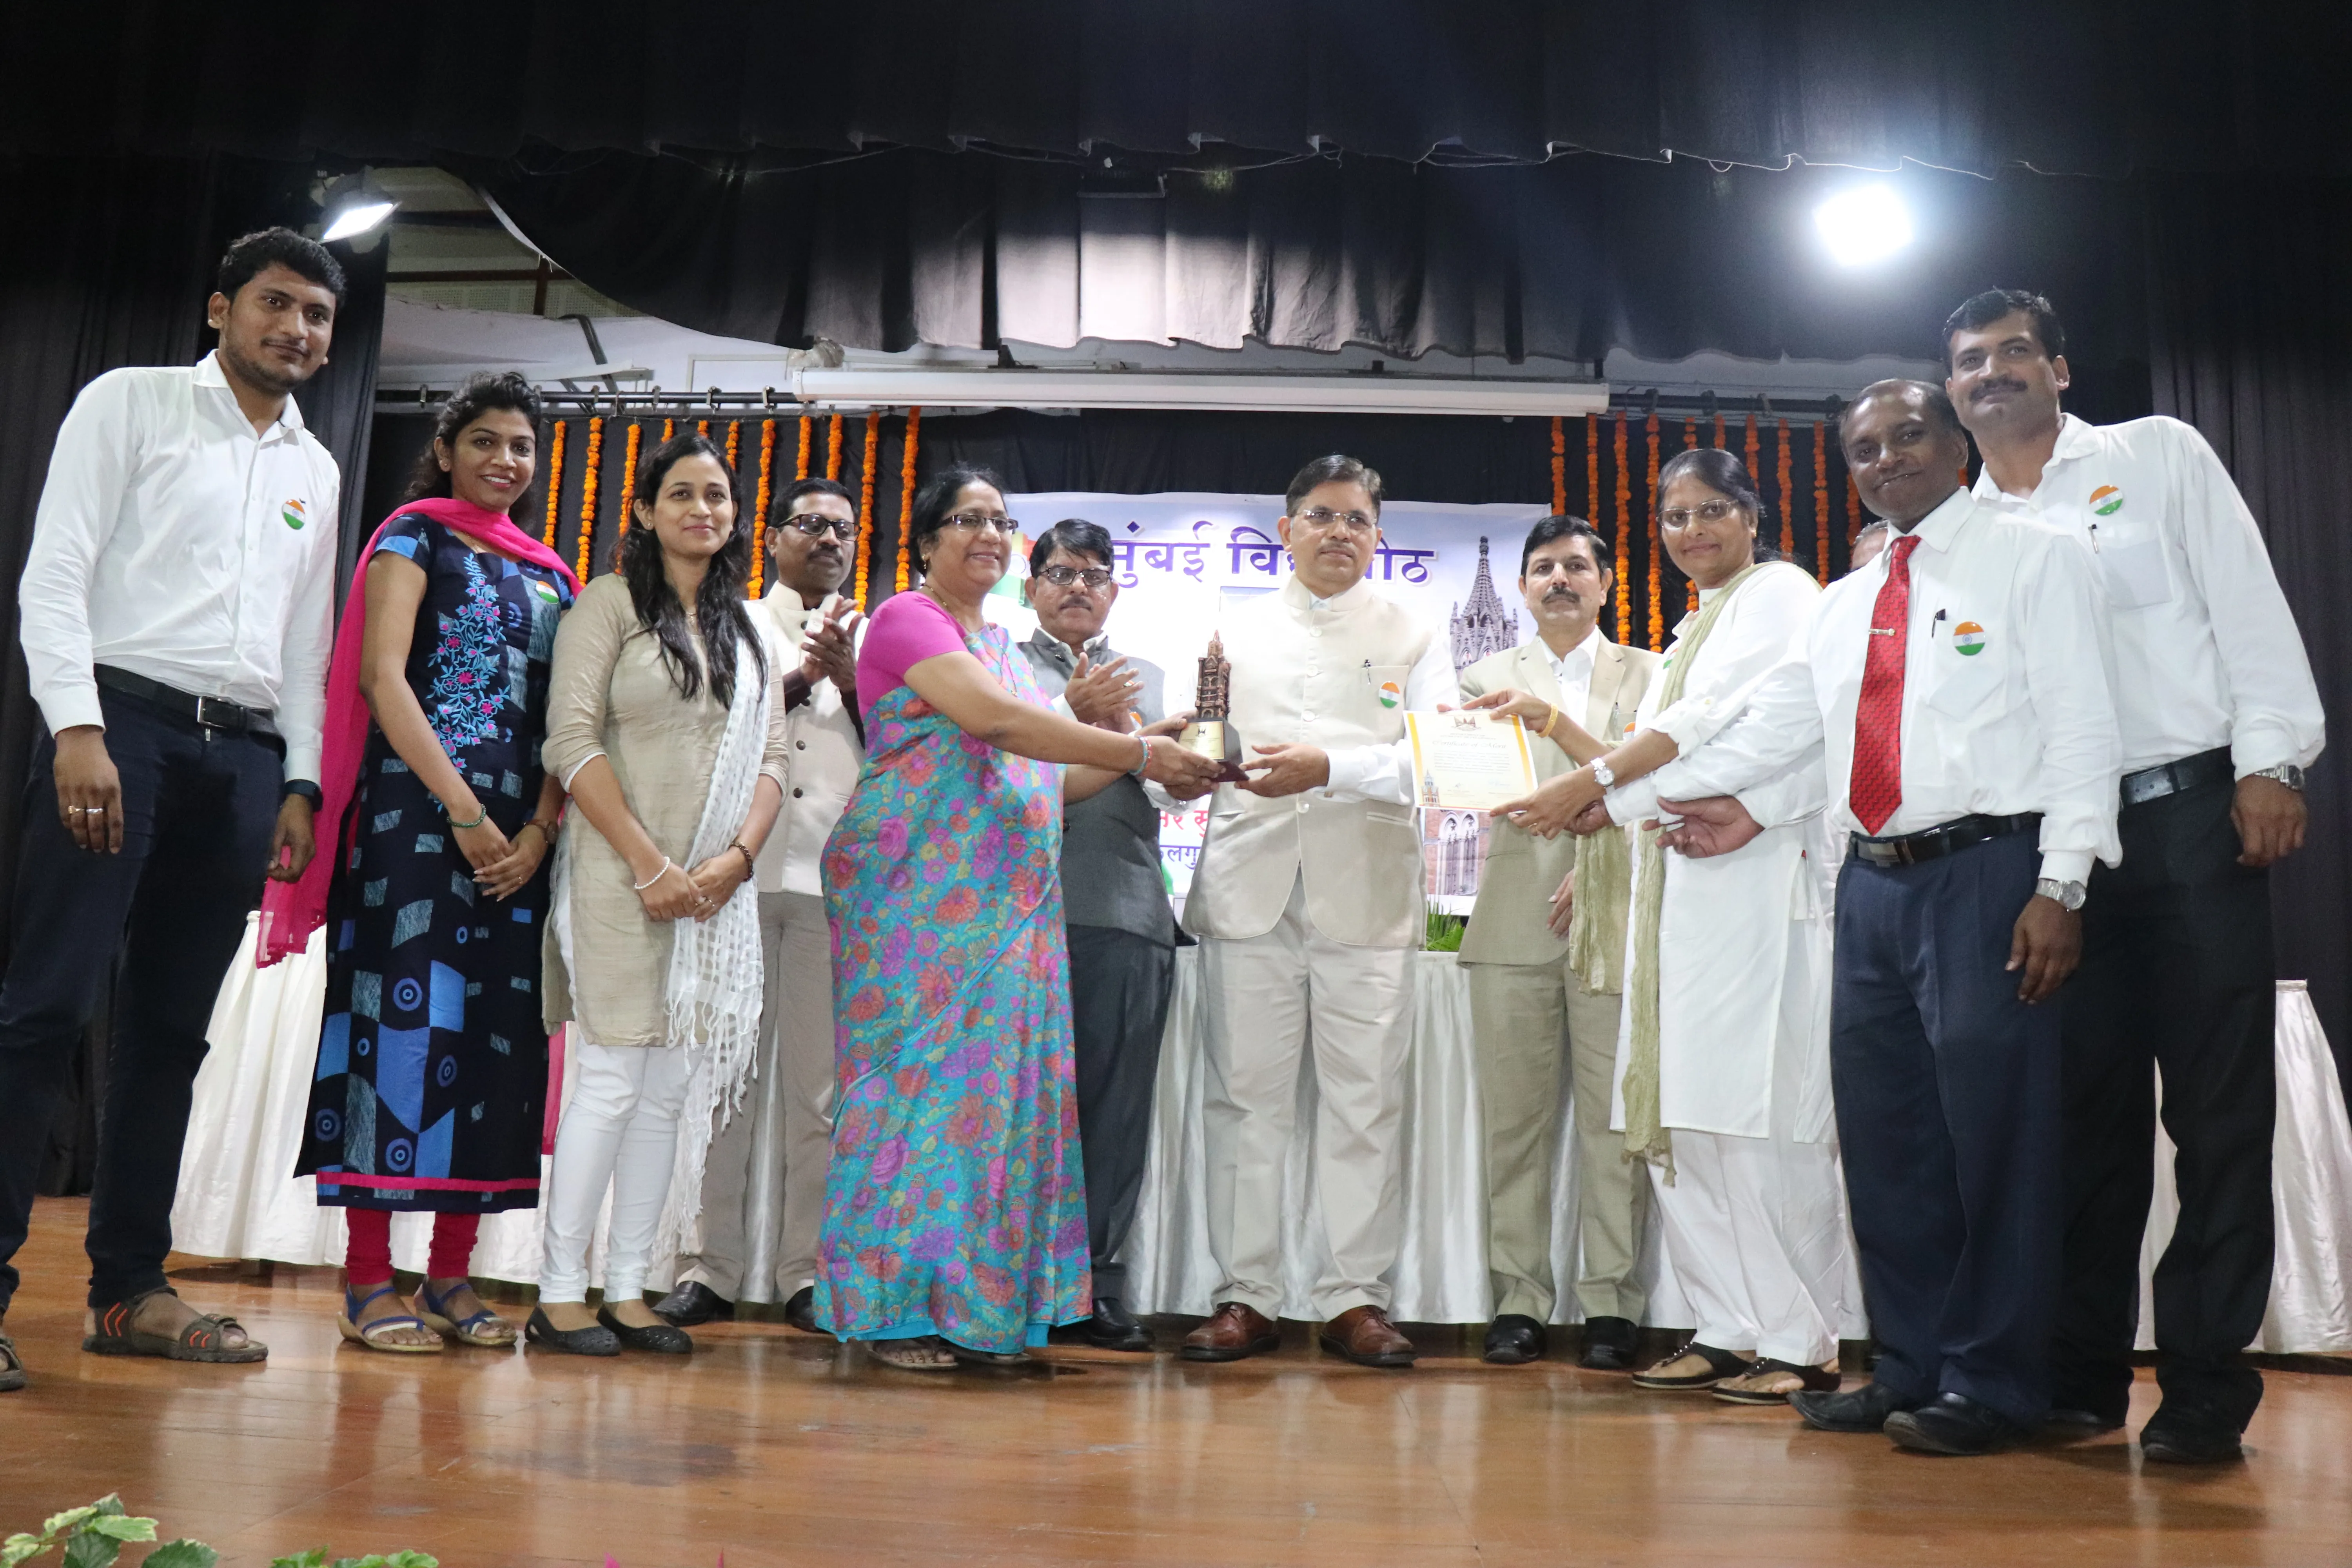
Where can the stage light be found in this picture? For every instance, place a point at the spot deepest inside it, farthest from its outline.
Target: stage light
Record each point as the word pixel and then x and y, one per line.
pixel 354 206
pixel 1865 224
pixel 358 219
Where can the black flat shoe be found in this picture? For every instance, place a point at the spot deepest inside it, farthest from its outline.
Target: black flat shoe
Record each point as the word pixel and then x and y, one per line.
pixel 1864 1409
pixel 800 1312
pixel 1608 1344
pixel 537 1330
pixel 1953 1424
pixel 661 1339
pixel 694 1302
pixel 2182 1440
pixel 1512 1339
pixel 1113 1328
pixel 2068 1421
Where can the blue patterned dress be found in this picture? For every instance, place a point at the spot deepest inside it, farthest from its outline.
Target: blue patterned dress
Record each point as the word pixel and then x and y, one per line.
pixel 432 1078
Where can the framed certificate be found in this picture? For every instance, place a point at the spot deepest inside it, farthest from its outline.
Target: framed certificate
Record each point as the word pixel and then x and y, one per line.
pixel 1469 761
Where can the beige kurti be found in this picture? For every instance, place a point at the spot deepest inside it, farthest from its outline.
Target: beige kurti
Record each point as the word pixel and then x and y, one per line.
pixel 609 694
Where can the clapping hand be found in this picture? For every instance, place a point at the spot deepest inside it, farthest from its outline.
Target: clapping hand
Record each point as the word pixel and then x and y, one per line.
pixel 1715 826
pixel 830 649
pixel 1103 694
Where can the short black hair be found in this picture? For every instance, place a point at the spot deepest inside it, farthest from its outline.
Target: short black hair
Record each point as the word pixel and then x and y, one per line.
pixel 1940 405
pixel 1561 526
pixel 937 498
pixel 1981 311
pixel 1337 469
pixel 248 255
pixel 814 485
pixel 1075 535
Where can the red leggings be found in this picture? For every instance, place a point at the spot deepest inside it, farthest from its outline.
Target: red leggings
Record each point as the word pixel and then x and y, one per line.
pixel 367 1256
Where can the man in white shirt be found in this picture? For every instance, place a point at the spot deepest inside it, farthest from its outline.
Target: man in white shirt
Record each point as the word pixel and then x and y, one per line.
pixel 2219 718
pixel 1531 1014
pixel 1959 688
pixel 177 614
pixel 763 1183
pixel 1308 900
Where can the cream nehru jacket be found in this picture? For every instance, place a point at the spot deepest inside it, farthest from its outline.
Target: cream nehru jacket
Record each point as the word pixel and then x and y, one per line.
pixel 824 758
pixel 1330 680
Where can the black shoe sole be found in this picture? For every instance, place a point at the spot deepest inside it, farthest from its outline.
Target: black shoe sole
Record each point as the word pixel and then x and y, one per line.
pixel 2167 1451
pixel 1511 1358
pixel 1256 1347
pixel 1134 1343
pixel 1904 1427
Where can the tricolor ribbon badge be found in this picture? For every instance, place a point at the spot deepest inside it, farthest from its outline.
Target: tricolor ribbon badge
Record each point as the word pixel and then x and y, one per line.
pixel 1967 638
pixel 1392 694
pixel 546 591
pixel 2107 499
pixel 294 514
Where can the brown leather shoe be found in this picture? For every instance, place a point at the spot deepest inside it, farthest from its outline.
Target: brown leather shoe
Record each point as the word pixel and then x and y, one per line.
pixel 1365 1336
pixel 1234 1332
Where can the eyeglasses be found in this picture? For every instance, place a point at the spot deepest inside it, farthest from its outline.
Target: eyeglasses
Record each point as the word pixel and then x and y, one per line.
pixel 1063 576
pixel 1323 518
pixel 973 521
pixel 1712 511
pixel 817 525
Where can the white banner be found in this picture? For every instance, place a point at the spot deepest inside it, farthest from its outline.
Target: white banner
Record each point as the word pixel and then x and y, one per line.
pixel 1182 559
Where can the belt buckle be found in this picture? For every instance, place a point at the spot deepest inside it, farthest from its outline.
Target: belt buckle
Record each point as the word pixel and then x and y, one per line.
pixel 218 713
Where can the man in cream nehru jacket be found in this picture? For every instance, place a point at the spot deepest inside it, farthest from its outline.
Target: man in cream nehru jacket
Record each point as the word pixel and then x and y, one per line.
pixel 1307 902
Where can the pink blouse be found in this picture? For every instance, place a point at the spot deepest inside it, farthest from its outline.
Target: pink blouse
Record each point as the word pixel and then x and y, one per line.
pixel 908 629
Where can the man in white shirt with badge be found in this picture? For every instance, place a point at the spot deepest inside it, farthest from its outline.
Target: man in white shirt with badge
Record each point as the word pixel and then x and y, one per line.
pixel 1308 900
pixel 2219 718
pixel 763 1183
pixel 1958 687
pixel 177 617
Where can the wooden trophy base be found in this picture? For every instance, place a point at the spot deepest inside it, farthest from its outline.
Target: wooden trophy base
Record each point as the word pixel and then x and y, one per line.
pixel 1216 738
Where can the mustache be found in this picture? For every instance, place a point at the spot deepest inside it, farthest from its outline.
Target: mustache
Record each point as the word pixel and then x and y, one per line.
pixel 2005 384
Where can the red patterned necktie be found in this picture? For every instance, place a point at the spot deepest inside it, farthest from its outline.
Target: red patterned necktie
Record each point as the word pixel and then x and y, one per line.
pixel 1877 787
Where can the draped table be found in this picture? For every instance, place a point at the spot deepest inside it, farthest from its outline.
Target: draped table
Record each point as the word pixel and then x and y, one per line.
pixel 237 1200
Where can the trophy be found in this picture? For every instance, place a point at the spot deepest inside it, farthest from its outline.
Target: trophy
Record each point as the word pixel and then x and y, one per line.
pixel 1211 733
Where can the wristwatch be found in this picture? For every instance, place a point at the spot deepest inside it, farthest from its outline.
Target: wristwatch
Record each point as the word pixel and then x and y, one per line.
pixel 2287 774
pixel 2067 895
pixel 1602 775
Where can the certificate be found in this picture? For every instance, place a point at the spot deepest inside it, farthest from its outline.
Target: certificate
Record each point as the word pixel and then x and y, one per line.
pixel 1469 761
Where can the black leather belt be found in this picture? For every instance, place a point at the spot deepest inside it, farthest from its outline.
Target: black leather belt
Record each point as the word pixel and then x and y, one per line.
pixel 212 712
pixel 1934 843
pixel 2178 778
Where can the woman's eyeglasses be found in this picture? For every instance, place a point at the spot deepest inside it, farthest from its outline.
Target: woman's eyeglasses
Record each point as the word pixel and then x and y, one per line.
pixel 817 526
pixel 1063 576
pixel 1712 511
pixel 973 521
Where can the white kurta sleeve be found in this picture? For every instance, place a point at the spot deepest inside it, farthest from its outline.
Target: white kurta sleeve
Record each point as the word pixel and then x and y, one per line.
pixel 1385 772
pixel 99 447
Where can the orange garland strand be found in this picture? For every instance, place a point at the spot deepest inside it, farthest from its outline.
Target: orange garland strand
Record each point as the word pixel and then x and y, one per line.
pixel 1657 605
pixel 865 502
pixel 907 500
pixel 734 442
pixel 628 510
pixel 555 485
pixel 865 472
pixel 833 459
pixel 589 482
pixel 1751 446
pixel 1690 434
pixel 1558 465
pixel 800 470
pixel 752 589
pixel 1624 534
pixel 1787 496
pixel 670 428
pixel 1591 466
pixel 1821 503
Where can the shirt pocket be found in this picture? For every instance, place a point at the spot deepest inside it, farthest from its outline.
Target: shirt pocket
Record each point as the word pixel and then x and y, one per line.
pixel 2133 565
pixel 1967 668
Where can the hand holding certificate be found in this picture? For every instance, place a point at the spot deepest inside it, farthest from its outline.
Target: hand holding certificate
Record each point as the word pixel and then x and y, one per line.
pixel 1468 762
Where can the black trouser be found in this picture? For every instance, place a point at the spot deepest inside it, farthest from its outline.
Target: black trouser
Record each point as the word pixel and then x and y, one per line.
pixel 2178 974
pixel 199 807
pixel 1948 1092
pixel 1118 1005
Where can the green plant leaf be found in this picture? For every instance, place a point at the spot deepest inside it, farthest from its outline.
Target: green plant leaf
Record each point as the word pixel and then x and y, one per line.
pixel 122 1527
pixel 21 1548
pixel 411 1559
pixel 314 1558
pixel 90 1550
pixel 182 1553
pixel 111 1503
pixel 58 1525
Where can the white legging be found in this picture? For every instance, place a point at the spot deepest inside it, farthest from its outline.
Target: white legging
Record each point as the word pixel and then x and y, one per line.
pixel 621 1129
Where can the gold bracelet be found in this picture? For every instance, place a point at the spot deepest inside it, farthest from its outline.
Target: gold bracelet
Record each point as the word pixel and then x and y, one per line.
pixel 1550 718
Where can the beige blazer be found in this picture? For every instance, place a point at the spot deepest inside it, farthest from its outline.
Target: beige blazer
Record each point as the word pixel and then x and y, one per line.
pixel 1509 923
pixel 824 760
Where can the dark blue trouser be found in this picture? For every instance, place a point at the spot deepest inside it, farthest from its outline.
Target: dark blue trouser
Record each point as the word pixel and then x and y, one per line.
pixel 1119 985
pixel 1948 1098
pixel 199 807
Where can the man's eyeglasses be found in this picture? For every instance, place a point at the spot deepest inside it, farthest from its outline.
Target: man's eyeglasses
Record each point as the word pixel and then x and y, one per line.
pixel 817 525
pixel 973 521
pixel 1712 511
pixel 1063 576
pixel 1323 518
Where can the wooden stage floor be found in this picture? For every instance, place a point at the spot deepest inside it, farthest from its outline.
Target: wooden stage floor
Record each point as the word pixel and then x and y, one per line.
pixel 781 1448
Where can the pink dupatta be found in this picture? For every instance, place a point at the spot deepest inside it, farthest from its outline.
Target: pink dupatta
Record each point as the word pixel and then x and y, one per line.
pixel 290 912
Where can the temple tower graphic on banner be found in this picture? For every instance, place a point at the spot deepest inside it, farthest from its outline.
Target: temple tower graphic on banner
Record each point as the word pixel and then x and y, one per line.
pixel 1482 626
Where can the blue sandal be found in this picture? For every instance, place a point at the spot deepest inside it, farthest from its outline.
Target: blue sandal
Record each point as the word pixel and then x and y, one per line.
pixel 349 1323
pixel 466 1331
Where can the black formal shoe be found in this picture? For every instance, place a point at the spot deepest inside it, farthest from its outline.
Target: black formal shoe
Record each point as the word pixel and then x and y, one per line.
pixel 1512 1339
pixel 1608 1344
pixel 1864 1409
pixel 661 1339
pixel 800 1312
pixel 1113 1328
pixel 1953 1424
pixel 2073 1420
pixel 2174 1437
pixel 599 1341
pixel 694 1302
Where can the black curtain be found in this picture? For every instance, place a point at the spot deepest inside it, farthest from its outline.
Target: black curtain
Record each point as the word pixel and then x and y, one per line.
pixel 2103 87
pixel 2252 334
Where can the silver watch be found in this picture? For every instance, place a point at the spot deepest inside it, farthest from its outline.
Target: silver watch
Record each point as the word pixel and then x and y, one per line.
pixel 1601 773
pixel 2067 895
pixel 2287 774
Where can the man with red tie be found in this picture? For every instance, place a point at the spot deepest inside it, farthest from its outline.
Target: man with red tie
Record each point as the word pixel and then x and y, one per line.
pixel 1957 689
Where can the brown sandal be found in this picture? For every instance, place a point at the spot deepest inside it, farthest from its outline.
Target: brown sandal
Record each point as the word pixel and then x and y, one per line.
pixel 1720 1364
pixel 1809 1380
pixel 199 1338
pixel 909 1354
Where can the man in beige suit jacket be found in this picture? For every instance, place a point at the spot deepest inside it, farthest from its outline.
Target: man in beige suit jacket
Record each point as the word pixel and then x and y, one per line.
pixel 1526 1003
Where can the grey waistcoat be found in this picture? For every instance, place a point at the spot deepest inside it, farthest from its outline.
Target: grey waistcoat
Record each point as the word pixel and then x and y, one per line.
pixel 1111 843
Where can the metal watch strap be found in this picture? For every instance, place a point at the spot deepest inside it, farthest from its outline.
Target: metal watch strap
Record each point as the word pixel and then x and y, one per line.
pixel 2067 895
pixel 2287 774
pixel 1602 775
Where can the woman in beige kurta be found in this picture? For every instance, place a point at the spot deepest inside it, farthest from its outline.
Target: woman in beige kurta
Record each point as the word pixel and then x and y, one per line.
pixel 638 728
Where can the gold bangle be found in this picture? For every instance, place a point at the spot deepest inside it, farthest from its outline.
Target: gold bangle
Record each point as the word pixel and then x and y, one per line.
pixel 1551 717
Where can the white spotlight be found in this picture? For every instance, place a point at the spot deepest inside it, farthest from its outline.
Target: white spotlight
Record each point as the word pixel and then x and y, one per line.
pixel 1866 224
pixel 354 204
pixel 358 219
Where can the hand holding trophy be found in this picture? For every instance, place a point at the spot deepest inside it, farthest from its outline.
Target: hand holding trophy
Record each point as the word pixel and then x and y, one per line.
pixel 1211 733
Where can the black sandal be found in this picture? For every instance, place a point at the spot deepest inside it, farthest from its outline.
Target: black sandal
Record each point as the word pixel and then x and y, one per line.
pixel 661 1339
pixel 1720 1364
pixel 198 1339
pixel 591 1340
pixel 12 1366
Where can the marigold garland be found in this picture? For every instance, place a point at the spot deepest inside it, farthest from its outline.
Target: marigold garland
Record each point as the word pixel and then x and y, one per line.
pixel 1751 445
pixel 1690 434
pixel 702 429
pixel 1558 465
pixel 1820 502
pixel 734 441
pixel 907 500
pixel 1657 601
pixel 670 428
pixel 628 490
pixel 800 470
pixel 833 452
pixel 752 589
pixel 1787 496
pixel 1624 534
pixel 589 482
pixel 1591 466
pixel 866 497
pixel 555 485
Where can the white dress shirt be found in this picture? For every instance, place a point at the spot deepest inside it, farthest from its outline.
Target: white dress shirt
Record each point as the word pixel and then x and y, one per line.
pixel 174 543
pixel 2023 723
pixel 1573 670
pixel 2206 654
pixel 1385 772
